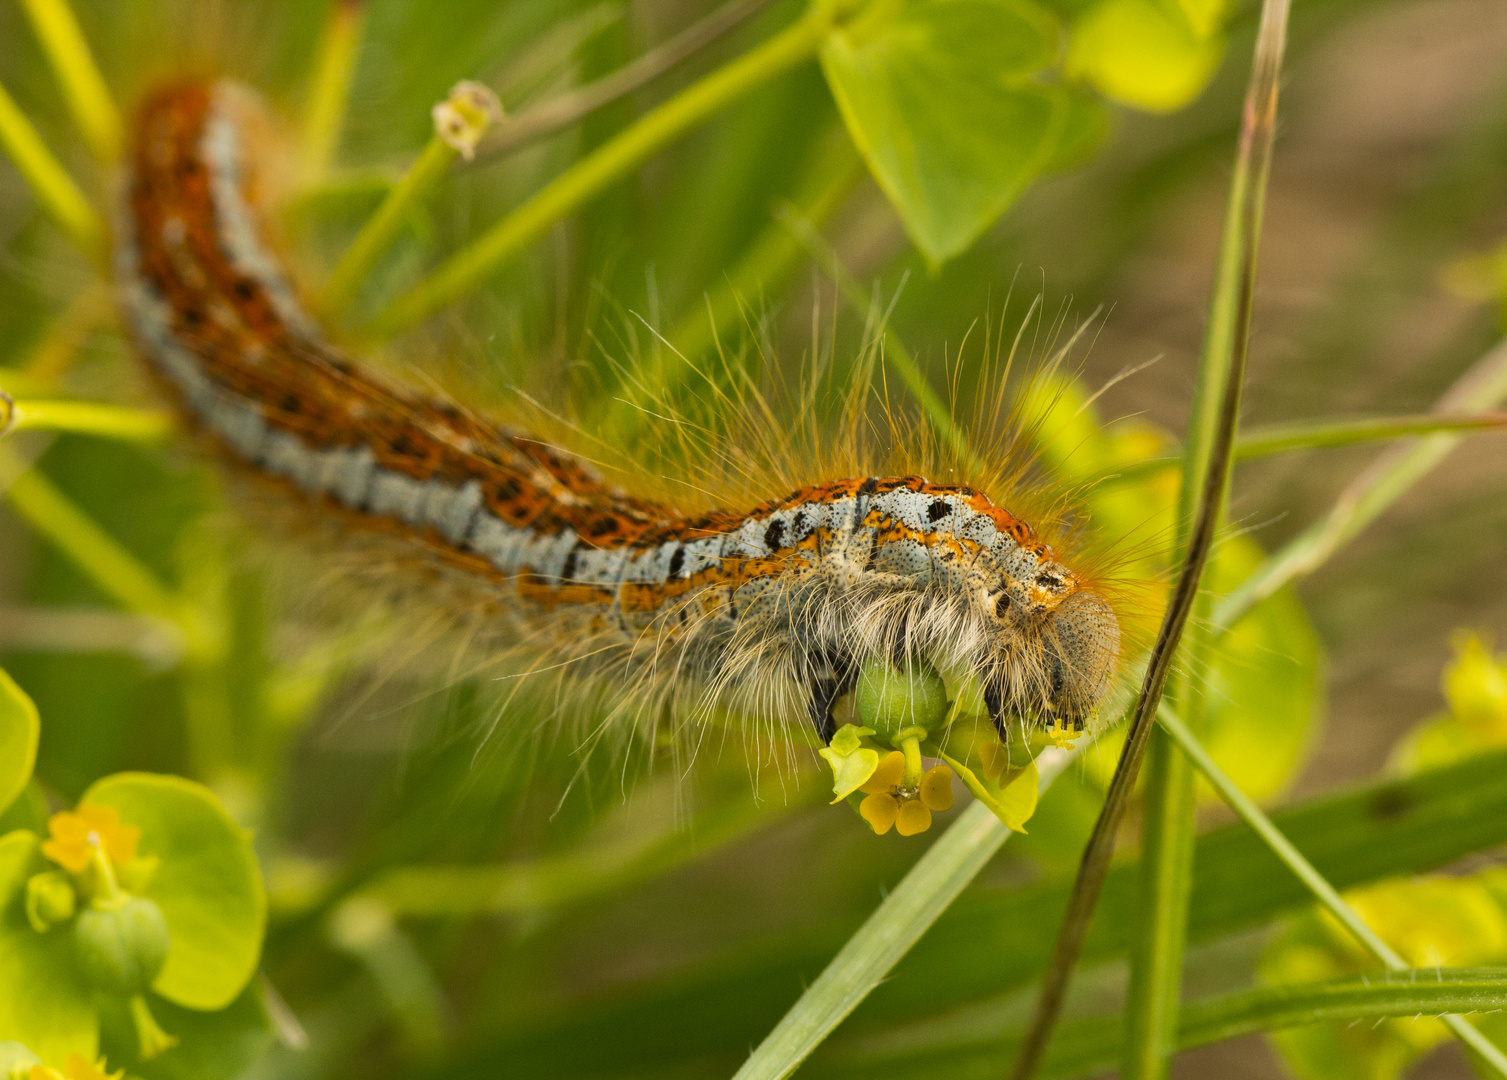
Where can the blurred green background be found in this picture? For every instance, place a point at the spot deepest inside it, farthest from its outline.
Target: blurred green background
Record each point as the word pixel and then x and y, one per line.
pixel 603 922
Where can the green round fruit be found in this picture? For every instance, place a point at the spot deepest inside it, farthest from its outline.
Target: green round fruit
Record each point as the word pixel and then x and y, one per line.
pixel 121 948
pixel 891 701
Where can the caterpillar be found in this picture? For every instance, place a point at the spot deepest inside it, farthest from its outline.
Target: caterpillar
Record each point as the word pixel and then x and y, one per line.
pixel 774 607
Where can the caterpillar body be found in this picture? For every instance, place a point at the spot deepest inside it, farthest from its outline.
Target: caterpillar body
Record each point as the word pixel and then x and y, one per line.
pixel 774 607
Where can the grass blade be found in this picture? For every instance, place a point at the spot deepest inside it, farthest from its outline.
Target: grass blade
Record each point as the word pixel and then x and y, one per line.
pixel 1225 369
pixel 1370 493
pixel 1255 443
pixel 867 957
pixel 1326 893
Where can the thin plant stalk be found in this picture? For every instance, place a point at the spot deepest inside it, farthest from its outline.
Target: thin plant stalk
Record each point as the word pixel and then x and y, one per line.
pixel 1274 439
pixel 1393 473
pixel 84 418
pixel 459 122
pixel 548 117
pixel 1325 893
pixel 49 181
pixel 83 87
pixel 867 957
pixel 330 84
pixel 116 571
pixel 382 227
pixel 1159 937
pixel 1258 128
pixel 611 161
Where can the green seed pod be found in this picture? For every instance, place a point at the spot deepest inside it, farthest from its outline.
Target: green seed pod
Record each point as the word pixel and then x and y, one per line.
pixel 121 947
pixel 50 900
pixel 16 1061
pixel 891 701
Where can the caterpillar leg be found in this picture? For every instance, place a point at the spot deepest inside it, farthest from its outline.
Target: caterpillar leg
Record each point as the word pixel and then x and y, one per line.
pixel 829 680
pixel 994 701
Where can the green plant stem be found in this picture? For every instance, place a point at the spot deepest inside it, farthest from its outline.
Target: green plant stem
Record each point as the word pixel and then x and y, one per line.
pixel 1276 439
pixel 330 85
pixel 54 188
pixel 89 418
pixel 84 88
pixel 1369 494
pixel 1325 893
pixel 689 109
pixel 896 356
pixel 548 117
pixel 114 569
pixel 1149 1041
pixel 382 227
pixel 906 913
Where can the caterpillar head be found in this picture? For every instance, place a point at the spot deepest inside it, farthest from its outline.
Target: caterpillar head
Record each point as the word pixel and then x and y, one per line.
pixel 1056 643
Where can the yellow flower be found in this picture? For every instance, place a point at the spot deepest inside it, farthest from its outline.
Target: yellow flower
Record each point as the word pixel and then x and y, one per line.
pixel 888 774
pixel 905 809
pixel 880 810
pixel 73 834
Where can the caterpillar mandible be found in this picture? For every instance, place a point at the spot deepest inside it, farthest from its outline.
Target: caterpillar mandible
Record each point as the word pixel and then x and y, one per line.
pixel 775 605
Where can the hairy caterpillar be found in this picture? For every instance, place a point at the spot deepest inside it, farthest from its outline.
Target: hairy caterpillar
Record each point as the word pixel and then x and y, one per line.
pixel 774 606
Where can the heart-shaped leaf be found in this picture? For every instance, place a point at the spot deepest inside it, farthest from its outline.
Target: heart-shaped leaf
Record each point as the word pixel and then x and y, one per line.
pixel 940 98
pixel 207 883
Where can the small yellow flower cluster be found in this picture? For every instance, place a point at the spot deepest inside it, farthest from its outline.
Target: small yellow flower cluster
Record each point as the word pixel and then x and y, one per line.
pixel 73 834
pixel 900 795
pixel 907 809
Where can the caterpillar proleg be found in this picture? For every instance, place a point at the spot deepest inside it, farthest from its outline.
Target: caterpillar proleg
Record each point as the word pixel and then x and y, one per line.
pixel 778 604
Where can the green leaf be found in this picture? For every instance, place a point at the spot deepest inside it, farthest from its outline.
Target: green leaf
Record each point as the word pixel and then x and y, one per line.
pixel 1133 52
pixel 19 730
pixel 42 1002
pixel 208 884
pixel 939 98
